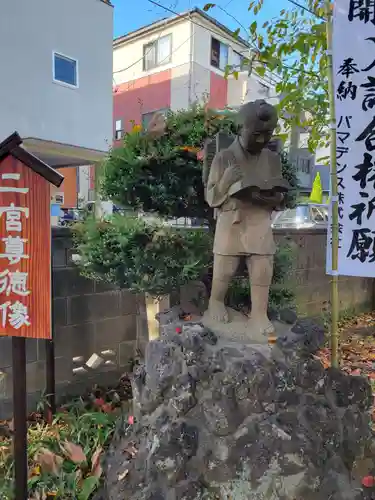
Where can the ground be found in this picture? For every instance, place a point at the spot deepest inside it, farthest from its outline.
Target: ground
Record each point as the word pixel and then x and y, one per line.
pixel 65 453
pixel 357 345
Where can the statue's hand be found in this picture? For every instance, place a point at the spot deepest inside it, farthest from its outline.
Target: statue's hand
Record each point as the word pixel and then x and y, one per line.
pixel 230 176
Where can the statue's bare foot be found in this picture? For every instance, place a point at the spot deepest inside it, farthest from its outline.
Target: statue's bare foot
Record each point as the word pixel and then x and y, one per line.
pixel 217 311
pixel 261 326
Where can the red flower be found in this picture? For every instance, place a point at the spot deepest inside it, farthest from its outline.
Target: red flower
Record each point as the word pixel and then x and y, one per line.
pixel 368 481
pixel 99 402
pixel 107 408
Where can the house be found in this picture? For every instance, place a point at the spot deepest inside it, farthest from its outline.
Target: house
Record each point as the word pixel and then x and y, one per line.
pixel 172 63
pixel 308 164
pixel 51 91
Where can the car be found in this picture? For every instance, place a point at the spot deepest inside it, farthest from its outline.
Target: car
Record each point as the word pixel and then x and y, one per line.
pixel 68 216
pixel 304 216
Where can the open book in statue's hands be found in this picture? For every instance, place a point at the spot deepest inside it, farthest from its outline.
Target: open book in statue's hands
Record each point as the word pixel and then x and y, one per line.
pixel 267 188
pixel 266 192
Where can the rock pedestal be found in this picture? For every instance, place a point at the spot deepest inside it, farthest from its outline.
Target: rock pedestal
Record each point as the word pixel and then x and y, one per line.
pixel 222 420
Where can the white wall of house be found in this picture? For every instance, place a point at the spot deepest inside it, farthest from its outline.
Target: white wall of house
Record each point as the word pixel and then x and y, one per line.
pixel 83 183
pixel 128 56
pixel 249 88
pixel 190 62
pixel 31 102
pixel 182 83
pixel 201 81
pixel 203 33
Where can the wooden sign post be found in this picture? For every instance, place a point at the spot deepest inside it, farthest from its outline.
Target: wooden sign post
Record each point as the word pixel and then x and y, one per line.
pixel 25 273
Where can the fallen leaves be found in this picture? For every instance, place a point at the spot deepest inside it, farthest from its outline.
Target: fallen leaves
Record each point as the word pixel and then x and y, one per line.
pixel 96 468
pixel 49 462
pixel 73 452
pixel 357 349
pixel 66 451
pixel 131 450
pixel 123 475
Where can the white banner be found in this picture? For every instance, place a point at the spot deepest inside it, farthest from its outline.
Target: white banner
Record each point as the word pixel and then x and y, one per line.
pixel 354 82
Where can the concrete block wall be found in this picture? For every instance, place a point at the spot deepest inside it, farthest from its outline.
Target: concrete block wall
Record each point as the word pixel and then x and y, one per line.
pixel 91 320
pixel 309 279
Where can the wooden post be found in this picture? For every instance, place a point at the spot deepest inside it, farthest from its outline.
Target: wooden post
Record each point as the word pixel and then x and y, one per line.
pixel 20 418
pixel 50 408
pixel 154 306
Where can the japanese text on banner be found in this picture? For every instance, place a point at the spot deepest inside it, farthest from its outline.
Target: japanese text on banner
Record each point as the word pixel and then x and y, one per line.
pixel 354 82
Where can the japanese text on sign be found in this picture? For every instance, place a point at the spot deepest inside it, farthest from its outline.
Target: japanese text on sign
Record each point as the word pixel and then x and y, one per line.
pixel 354 82
pixel 13 282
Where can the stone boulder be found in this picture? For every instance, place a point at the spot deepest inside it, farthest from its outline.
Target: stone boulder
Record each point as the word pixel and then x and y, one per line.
pixel 222 420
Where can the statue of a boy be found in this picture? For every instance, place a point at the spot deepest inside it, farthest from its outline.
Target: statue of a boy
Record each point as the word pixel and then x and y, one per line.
pixel 245 185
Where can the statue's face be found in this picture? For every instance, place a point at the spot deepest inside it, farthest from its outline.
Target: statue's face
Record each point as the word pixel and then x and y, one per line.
pixel 255 136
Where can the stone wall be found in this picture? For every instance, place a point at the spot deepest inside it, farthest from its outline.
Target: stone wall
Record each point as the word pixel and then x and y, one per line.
pixel 97 321
pixel 312 285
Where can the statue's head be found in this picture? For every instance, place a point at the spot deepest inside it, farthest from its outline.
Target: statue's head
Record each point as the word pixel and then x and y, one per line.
pixel 257 122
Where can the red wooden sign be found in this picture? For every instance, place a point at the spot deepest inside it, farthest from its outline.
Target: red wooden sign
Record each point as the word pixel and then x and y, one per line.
pixel 25 249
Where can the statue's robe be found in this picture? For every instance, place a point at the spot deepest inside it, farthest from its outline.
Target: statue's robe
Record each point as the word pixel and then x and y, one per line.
pixel 244 227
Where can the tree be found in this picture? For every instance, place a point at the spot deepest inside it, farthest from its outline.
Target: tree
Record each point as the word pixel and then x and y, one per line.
pixel 162 176
pixel 292 48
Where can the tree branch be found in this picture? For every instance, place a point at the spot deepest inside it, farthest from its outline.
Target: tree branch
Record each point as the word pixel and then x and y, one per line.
pixel 306 9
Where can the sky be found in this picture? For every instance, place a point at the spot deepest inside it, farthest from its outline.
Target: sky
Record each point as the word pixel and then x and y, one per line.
pixel 130 15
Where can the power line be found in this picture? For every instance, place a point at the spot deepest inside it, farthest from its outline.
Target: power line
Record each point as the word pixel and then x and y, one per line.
pixel 306 9
pixel 173 51
pixel 145 54
pixel 215 33
pixel 230 15
pixel 140 59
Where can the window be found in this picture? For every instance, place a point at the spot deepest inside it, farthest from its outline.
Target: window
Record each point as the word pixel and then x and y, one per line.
pixel 304 165
pixel 147 117
pixel 319 215
pixel 157 53
pixel 59 198
pixel 237 60
pixel 219 54
pixel 118 130
pixel 65 70
pixel 264 89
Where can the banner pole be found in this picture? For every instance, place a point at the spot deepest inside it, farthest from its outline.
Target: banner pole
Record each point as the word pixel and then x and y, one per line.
pixel 334 194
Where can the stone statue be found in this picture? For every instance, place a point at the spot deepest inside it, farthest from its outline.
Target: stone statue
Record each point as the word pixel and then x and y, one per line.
pixel 245 185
